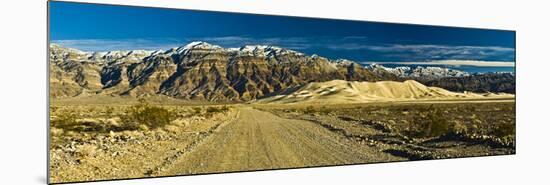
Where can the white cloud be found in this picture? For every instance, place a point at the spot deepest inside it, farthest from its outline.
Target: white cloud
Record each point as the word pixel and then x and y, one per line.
pixel 238 41
pixel 421 47
pixel 119 44
pixel 296 43
pixel 475 63
pixel 434 52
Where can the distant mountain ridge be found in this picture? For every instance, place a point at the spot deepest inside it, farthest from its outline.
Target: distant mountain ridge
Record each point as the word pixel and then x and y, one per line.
pixel 485 82
pixel 199 71
pixel 420 72
pixel 453 80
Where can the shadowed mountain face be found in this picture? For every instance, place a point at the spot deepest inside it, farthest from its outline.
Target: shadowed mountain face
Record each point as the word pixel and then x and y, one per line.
pixel 490 82
pixel 198 71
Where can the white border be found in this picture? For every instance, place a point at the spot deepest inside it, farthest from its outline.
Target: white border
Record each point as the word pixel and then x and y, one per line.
pixel 23 92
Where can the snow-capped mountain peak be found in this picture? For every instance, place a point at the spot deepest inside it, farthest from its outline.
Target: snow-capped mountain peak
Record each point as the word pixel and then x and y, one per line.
pixel 156 52
pixel 265 50
pixel 200 45
pixel 195 45
pixel 344 62
pixel 419 71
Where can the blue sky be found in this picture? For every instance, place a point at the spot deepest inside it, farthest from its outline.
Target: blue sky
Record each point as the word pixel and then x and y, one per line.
pixel 92 27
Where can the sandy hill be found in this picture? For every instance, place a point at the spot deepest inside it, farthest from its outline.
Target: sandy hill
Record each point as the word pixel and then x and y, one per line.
pixel 341 91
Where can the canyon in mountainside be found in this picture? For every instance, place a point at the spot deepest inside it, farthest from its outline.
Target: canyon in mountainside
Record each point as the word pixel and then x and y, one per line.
pixel 198 71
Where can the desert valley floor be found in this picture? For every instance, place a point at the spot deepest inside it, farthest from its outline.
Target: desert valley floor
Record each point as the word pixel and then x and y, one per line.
pixel 242 137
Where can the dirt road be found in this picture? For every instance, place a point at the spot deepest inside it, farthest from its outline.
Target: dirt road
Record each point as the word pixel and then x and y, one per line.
pixel 261 140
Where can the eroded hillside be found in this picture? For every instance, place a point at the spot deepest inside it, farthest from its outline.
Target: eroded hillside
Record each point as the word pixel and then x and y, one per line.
pixel 198 71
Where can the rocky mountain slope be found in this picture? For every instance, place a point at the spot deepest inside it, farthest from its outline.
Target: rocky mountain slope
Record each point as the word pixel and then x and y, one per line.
pixel 198 71
pixel 488 82
pixel 340 91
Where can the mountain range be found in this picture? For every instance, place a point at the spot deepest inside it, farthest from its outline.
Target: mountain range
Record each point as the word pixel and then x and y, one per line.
pixel 420 72
pixel 203 71
pixel 452 79
pixel 199 71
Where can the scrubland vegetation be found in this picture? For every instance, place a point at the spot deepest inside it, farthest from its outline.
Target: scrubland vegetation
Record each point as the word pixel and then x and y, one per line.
pixel 93 142
pixel 83 137
pixel 426 120
pixel 417 130
pixel 141 116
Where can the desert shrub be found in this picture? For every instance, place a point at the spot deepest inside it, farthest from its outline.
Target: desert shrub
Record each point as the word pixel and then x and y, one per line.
pixel 309 110
pixel 92 109
pixel 109 111
pixel 53 109
pixel 197 110
pixel 69 120
pixel 91 125
pixel 64 119
pixel 324 110
pixel 147 115
pixel 212 110
pixel 225 108
pixel 460 127
pixel 429 123
pixel 84 151
pixel 503 130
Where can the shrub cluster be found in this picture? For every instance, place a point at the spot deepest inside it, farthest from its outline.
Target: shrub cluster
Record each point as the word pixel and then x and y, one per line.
pixel 309 110
pixel 69 120
pixel 217 109
pixel 210 111
pixel 64 119
pixel 147 115
pixel 429 123
pixel 142 116
pixel 503 130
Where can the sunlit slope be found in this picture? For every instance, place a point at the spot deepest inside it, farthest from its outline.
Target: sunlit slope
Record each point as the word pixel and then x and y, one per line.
pixel 341 91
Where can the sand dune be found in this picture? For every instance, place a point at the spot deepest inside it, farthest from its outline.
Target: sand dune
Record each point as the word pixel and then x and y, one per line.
pixel 341 91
